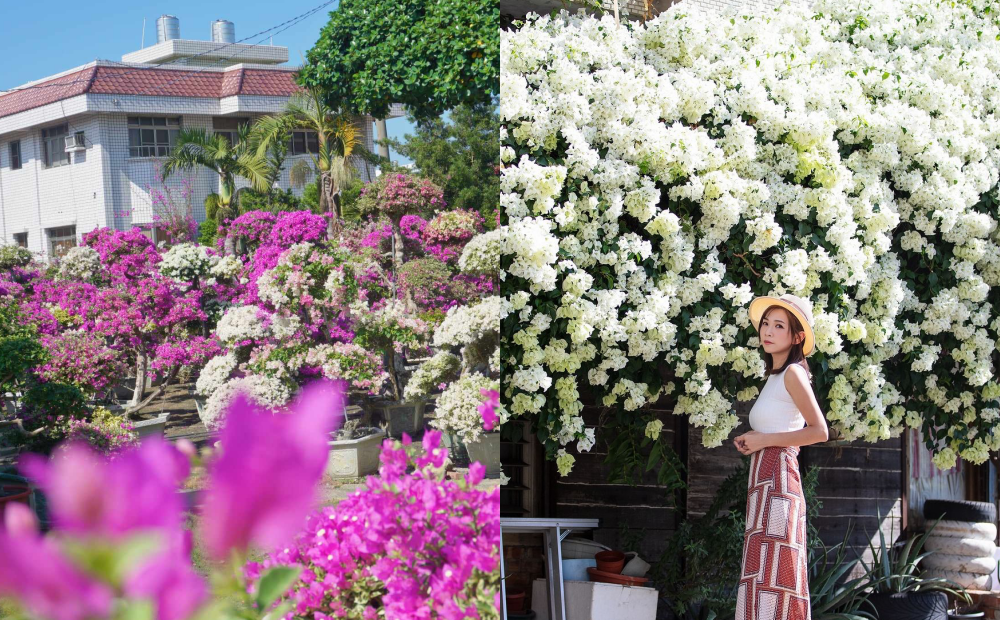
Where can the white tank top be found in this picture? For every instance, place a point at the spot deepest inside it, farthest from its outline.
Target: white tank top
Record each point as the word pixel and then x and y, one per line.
pixel 774 411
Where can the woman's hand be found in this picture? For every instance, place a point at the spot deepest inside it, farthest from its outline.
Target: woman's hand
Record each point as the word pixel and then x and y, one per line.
pixel 750 442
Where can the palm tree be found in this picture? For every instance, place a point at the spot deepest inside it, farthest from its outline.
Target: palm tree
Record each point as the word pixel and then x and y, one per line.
pixel 339 141
pixel 197 147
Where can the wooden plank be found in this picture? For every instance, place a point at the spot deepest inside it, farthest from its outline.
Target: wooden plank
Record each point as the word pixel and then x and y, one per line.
pixel 856 478
pixel 709 467
pixel 590 468
pixel 624 496
pixel 651 546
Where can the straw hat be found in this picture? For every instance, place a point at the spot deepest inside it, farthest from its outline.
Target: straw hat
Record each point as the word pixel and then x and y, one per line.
pixel 801 308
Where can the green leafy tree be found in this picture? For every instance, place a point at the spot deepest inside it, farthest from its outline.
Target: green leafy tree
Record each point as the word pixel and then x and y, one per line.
pixel 339 137
pixel 197 147
pixel 428 56
pixel 462 156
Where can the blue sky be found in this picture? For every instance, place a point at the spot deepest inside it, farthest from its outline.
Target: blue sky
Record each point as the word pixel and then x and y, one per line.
pixel 40 39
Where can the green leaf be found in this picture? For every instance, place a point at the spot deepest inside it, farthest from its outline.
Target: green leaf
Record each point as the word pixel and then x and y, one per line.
pixel 141 610
pixel 274 584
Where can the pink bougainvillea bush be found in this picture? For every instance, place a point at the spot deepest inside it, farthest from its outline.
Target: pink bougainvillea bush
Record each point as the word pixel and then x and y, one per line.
pixel 119 548
pixel 410 544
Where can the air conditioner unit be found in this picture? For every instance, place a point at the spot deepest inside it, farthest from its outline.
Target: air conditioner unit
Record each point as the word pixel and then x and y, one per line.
pixel 76 143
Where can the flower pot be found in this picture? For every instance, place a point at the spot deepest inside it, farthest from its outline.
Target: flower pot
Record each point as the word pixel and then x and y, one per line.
pixel 355 458
pixel 910 606
pixel 515 600
pixel 11 492
pixel 487 452
pixel 622 580
pixel 456 449
pixel 402 417
pixel 610 561
pixel 153 427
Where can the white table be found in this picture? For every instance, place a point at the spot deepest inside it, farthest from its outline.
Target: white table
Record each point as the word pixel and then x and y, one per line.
pixel 554 531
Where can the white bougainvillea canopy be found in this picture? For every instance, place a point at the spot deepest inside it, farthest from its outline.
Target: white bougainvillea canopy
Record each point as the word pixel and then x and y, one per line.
pixel 657 176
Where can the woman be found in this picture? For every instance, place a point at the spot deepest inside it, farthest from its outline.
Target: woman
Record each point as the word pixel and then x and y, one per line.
pixel 774 581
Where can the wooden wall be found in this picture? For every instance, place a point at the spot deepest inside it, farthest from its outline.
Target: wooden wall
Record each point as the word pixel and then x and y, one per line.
pixel 855 481
pixel 585 493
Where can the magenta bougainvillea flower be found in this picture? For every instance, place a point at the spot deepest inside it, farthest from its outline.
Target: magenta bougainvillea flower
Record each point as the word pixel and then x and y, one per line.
pixel 89 494
pixel 410 544
pixel 488 408
pixel 264 482
pixel 35 570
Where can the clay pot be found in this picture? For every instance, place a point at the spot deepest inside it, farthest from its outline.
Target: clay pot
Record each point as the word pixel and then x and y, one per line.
pixel 610 561
pixel 622 580
pixel 515 601
pixel 14 493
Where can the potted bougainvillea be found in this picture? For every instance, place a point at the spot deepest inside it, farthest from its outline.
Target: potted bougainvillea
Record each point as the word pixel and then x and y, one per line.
pixel 378 552
pixel 355 450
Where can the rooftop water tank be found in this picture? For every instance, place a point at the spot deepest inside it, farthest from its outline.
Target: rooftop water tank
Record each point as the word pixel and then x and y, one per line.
pixel 223 31
pixel 167 27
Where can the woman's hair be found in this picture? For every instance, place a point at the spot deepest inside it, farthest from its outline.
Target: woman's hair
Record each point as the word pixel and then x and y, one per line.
pixel 795 355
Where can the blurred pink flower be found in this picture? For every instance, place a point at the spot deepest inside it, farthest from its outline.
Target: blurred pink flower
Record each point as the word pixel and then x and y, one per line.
pixel 89 494
pixel 46 583
pixel 169 580
pixel 264 482
pixel 488 408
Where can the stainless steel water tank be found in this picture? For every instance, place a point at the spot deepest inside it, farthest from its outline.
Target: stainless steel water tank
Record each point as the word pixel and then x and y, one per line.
pixel 167 27
pixel 223 31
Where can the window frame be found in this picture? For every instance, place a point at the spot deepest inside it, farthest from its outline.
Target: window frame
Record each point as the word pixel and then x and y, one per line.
pixel 14 150
pixel 301 141
pixel 57 240
pixel 140 147
pixel 23 241
pixel 55 135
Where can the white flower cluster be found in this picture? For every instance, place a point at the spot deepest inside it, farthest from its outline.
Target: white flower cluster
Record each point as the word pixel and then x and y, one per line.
pixel 227 268
pixel 464 325
pixel 457 409
pixel 440 368
pixel 186 261
pixel 264 390
pixel 481 255
pixel 241 323
pixel 709 160
pixel 216 372
pixel 285 284
pixel 79 263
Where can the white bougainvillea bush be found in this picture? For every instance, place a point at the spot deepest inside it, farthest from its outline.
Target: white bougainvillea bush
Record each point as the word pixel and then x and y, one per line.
pixel 658 176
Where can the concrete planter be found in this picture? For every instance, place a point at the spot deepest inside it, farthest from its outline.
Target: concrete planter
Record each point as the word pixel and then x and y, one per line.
pixel 151 428
pixel 355 458
pixel 487 452
pixel 456 449
pixel 402 417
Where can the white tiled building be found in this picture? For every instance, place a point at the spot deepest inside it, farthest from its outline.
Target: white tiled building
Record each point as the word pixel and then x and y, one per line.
pixel 80 150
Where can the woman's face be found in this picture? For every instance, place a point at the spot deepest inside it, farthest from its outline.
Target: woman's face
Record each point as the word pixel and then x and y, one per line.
pixel 775 332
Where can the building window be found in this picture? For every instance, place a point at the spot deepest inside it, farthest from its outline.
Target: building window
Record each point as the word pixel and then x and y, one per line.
pixel 229 127
pixel 21 239
pixel 15 154
pixel 61 240
pixel 152 136
pixel 303 142
pixel 54 145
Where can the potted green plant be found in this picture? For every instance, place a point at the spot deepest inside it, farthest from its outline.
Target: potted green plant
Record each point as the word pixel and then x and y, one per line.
pixel 831 596
pixel 354 451
pixel 898 591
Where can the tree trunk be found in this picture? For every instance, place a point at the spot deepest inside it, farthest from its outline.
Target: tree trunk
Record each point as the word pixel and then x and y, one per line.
pixel 333 224
pixel 393 376
pixel 138 406
pixel 140 379
pixel 229 249
pixel 397 246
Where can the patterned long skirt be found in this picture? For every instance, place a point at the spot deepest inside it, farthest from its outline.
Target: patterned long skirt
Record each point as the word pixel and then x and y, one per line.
pixel 774 580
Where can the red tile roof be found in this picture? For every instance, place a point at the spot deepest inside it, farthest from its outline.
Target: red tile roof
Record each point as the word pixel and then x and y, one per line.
pixel 107 80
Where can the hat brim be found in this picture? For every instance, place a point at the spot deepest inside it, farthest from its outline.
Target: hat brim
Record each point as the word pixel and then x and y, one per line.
pixel 760 304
